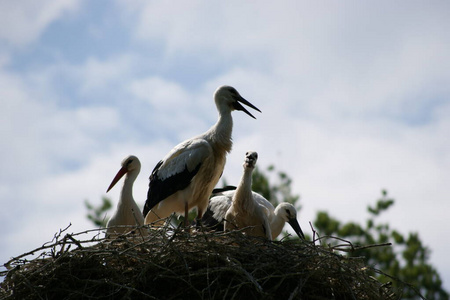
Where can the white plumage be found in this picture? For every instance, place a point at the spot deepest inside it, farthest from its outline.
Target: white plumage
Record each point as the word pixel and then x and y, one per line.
pixel 186 176
pixel 245 213
pixel 127 211
pixel 278 217
pixel 242 206
pixel 284 213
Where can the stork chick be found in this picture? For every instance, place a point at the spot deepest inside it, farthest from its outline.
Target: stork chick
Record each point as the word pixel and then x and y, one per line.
pixel 282 214
pixel 186 176
pixel 127 211
pixel 244 213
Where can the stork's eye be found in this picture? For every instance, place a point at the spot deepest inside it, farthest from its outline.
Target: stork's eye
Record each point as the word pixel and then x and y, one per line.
pixel 233 91
pixel 129 162
pixel 288 212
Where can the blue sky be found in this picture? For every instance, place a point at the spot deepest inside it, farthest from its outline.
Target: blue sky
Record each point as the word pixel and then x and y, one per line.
pixel 355 98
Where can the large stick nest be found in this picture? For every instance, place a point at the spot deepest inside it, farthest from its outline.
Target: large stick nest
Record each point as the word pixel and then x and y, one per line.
pixel 175 264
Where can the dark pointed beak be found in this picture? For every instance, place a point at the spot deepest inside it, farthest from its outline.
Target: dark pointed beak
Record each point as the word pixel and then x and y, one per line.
pixel 119 175
pixel 238 106
pixel 294 224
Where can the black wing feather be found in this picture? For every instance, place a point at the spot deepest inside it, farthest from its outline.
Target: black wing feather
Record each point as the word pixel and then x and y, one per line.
pixel 223 189
pixel 208 219
pixel 210 222
pixel 161 189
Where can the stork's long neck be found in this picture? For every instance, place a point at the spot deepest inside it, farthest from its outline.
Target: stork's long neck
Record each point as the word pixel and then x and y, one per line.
pixel 277 223
pixel 220 133
pixel 126 195
pixel 243 196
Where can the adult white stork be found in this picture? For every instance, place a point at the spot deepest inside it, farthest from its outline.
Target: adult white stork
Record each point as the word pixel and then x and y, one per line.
pixel 127 212
pixel 186 176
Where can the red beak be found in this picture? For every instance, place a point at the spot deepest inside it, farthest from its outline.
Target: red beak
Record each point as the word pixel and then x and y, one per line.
pixel 119 175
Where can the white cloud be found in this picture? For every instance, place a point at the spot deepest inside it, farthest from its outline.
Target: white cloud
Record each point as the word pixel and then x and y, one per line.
pixel 161 93
pixel 93 75
pixel 22 22
pixel 352 59
pixel 41 136
pixel 104 74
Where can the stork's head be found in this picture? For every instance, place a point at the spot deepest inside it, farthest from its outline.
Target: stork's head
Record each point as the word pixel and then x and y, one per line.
pixel 130 163
pixel 228 99
pixel 289 214
pixel 250 159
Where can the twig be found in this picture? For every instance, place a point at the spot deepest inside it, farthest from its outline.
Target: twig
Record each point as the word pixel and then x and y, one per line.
pixel 196 266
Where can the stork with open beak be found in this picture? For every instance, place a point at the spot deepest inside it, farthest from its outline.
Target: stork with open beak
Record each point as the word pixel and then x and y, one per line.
pixel 186 176
pixel 127 211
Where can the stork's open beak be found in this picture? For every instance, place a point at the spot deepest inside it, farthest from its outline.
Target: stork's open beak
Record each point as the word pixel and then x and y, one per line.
pixel 119 175
pixel 294 224
pixel 238 106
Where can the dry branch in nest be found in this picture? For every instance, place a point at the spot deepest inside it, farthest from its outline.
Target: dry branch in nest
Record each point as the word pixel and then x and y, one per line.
pixel 174 264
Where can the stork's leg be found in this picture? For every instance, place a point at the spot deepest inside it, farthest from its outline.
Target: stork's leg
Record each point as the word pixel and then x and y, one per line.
pixel 199 213
pixel 186 213
pixel 198 221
